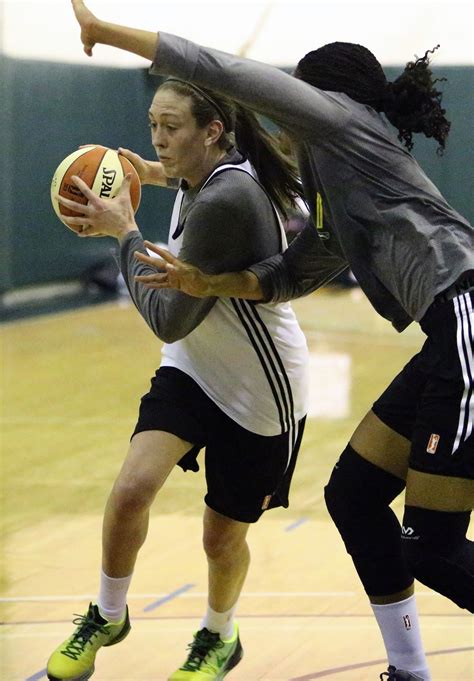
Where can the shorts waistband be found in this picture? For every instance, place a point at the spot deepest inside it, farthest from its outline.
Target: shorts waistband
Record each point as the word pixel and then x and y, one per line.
pixel 463 285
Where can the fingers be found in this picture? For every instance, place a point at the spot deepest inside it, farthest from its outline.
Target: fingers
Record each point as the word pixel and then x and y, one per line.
pixel 72 205
pixel 131 155
pixel 74 221
pixel 162 252
pixel 153 281
pixel 148 260
pixel 125 186
pixel 89 230
pixel 80 184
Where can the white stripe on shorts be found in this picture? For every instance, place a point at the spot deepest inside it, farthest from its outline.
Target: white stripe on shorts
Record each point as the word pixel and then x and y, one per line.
pixel 465 342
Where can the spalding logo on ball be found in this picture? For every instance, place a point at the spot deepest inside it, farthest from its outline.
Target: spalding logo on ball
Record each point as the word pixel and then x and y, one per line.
pixel 102 169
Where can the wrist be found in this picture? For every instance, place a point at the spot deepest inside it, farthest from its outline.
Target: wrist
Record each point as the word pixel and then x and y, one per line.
pixel 243 284
pixel 154 174
pixel 123 234
pixel 94 29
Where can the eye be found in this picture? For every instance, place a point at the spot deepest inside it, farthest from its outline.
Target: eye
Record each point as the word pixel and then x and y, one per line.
pixel 152 125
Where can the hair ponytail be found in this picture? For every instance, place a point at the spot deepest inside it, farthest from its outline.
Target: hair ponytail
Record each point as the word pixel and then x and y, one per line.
pixel 276 171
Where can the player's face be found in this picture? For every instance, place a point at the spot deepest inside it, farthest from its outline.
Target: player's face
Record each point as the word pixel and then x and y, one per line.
pixel 180 144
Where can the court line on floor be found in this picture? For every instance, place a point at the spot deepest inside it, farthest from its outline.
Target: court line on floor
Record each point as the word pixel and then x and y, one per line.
pixel 328 672
pixel 195 594
pixel 371 663
pixel 168 597
pixel 275 616
pixel 37 676
pixel 296 524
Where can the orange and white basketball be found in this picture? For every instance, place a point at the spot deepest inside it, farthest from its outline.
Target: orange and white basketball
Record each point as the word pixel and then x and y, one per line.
pixel 101 168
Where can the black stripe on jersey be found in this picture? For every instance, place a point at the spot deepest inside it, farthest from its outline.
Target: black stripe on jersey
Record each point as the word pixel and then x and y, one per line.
pixel 270 353
pixel 263 343
pixel 245 323
pixel 253 310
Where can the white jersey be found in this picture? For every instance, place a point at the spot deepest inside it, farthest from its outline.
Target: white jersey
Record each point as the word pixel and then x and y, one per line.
pixel 251 360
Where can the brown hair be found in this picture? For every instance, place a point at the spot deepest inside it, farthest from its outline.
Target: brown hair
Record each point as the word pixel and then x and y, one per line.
pixel 275 170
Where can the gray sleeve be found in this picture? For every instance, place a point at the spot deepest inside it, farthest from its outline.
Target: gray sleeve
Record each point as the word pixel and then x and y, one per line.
pixel 221 234
pixel 305 266
pixel 170 314
pixel 308 112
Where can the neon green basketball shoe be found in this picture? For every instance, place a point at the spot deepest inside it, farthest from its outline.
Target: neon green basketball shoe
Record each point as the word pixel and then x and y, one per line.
pixel 74 659
pixel 210 658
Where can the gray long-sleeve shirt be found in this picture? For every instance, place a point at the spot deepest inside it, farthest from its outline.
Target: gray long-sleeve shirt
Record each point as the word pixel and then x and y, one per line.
pixel 372 206
pixel 223 233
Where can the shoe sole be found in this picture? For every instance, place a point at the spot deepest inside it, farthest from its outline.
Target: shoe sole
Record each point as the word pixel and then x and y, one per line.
pixel 84 677
pixel 233 660
pixel 125 631
pixel 87 675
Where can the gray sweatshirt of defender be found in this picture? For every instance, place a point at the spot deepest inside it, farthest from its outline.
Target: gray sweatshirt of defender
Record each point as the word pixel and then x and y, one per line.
pixel 221 232
pixel 372 206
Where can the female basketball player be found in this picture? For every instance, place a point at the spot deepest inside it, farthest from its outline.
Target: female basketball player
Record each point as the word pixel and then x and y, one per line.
pixel 232 377
pixel 374 209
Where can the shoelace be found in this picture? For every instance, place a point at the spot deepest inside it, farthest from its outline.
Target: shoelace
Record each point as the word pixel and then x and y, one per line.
pixel 389 674
pixel 87 629
pixel 203 643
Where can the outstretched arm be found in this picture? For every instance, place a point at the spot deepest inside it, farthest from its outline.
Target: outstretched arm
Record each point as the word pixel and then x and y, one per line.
pixel 174 273
pixel 94 30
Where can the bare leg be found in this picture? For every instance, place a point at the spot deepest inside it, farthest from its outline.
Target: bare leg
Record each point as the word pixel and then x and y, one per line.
pixel 382 446
pixel 228 558
pixel 151 457
pixel 436 519
pixel 439 493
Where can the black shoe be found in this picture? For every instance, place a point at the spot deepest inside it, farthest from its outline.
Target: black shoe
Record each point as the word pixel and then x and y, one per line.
pixel 393 674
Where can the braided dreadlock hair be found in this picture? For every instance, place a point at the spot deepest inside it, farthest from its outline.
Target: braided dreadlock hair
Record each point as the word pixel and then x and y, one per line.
pixel 411 103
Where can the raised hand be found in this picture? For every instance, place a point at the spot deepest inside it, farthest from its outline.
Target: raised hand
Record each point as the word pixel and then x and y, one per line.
pixel 86 21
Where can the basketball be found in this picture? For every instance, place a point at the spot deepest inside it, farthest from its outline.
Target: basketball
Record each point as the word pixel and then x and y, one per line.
pixel 102 169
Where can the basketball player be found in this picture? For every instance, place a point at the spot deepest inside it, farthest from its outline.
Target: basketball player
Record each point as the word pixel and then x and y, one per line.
pixel 232 377
pixel 375 210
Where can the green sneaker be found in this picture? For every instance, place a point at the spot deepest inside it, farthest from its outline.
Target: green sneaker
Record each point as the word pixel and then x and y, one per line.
pixel 210 658
pixel 74 659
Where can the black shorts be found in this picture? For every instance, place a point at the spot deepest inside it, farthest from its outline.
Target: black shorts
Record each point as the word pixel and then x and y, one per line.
pixel 246 473
pixel 431 401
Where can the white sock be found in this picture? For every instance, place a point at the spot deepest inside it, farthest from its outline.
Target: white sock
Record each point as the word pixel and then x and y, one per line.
pixel 221 623
pixel 400 629
pixel 112 600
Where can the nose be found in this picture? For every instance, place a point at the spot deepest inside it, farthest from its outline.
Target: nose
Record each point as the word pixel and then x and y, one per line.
pixel 158 138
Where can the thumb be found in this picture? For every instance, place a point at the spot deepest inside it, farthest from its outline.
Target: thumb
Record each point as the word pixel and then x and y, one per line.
pixel 125 186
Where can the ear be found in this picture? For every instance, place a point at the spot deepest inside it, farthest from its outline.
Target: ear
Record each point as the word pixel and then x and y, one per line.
pixel 215 130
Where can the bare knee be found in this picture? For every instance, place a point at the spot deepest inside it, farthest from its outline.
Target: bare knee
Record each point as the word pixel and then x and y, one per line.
pixel 224 544
pixel 131 496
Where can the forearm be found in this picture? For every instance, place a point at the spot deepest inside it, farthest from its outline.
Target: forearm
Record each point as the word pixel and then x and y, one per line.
pixel 137 41
pixel 170 314
pixel 234 285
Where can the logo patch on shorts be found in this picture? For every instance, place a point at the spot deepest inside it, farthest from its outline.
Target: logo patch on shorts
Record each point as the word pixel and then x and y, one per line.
pixel 406 622
pixel 266 502
pixel 432 443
